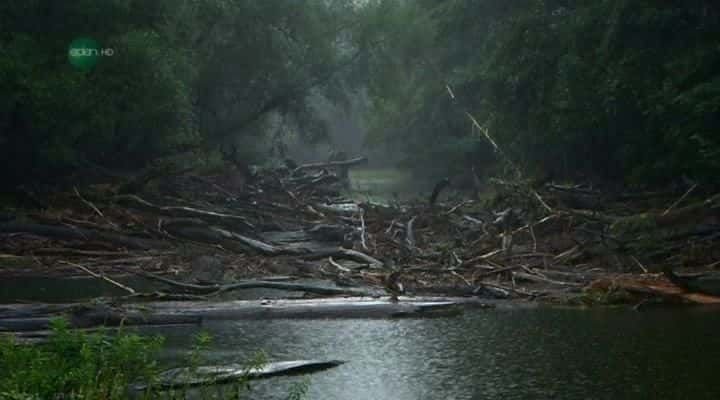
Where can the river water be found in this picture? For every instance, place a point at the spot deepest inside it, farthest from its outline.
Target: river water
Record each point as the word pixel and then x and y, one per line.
pixel 511 352
pixel 506 353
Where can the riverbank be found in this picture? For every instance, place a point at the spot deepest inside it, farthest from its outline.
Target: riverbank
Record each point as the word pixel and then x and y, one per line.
pixel 212 236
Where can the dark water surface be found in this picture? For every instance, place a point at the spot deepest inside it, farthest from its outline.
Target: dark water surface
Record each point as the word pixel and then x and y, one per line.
pixel 54 289
pixel 506 353
pixel 539 353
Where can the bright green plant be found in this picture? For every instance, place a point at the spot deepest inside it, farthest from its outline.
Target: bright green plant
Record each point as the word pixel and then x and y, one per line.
pixel 76 364
pixel 104 365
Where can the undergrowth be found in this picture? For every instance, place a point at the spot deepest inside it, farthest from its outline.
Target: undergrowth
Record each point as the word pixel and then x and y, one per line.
pixel 104 365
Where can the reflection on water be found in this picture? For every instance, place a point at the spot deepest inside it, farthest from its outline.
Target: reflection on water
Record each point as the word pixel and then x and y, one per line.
pixel 499 354
pixel 60 289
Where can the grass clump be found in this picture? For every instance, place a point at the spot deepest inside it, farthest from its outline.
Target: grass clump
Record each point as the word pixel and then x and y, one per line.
pixel 76 365
pixel 105 365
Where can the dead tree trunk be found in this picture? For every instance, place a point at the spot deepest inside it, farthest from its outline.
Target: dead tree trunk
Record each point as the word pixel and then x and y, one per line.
pixel 439 187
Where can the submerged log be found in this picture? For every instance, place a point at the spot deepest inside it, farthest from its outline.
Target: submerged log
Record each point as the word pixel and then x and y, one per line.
pixel 219 374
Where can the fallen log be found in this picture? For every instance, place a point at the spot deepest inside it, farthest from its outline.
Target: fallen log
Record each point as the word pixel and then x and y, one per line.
pixel 89 316
pixel 649 285
pixel 75 233
pixel 699 282
pixel 340 209
pixel 186 212
pixel 410 235
pixel 205 234
pixel 29 317
pixel 699 212
pixel 342 253
pixel 328 232
pixel 254 244
pixel 228 239
pixel 253 284
pixel 101 276
pixel 220 374
pixel 331 164
pixel 540 279
pixel 497 271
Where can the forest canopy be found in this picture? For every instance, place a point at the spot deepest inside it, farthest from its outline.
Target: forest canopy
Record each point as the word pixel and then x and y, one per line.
pixel 610 90
pixel 189 74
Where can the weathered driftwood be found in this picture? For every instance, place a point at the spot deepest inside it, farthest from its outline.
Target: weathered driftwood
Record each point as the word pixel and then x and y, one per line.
pixel 254 244
pixel 497 271
pixel 228 239
pixel 363 233
pixel 340 209
pixel 693 213
pixel 540 279
pixel 328 232
pixel 220 374
pixel 699 282
pixel 341 253
pixel 312 179
pixel 102 277
pixel 28 317
pixel 648 286
pixel 410 235
pixel 88 316
pixel 339 266
pixel 343 163
pixel 253 284
pixel 75 233
pixel 181 211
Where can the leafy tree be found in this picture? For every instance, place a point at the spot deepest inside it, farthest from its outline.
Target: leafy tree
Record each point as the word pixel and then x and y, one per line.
pixel 609 89
pixel 184 74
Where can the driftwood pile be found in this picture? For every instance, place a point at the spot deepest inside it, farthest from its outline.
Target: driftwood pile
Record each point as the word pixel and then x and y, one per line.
pixel 204 235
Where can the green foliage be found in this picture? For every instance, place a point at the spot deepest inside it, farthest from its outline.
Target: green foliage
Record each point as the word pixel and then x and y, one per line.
pixel 131 107
pixel 612 296
pixel 606 89
pixel 79 365
pixel 609 89
pixel 103 365
pixel 183 74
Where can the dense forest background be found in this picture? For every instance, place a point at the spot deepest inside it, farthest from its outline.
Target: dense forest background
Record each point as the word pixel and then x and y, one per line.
pixel 608 90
